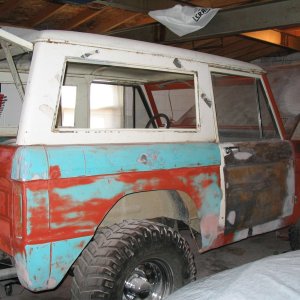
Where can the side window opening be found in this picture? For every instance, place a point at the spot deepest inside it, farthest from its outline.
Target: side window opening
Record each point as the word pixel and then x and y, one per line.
pixel 242 109
pixel 112 97
pixel 268 124
pixel 106 105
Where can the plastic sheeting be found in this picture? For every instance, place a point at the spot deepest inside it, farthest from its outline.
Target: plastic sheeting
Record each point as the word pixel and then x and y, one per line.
pixel 184 19
pixel 284 77
pixel 275 278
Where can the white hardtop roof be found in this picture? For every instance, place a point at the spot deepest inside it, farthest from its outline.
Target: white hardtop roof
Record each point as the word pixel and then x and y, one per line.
pixel 103 41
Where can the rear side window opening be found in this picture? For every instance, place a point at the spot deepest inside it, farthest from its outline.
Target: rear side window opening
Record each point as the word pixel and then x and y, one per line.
pixel 116 97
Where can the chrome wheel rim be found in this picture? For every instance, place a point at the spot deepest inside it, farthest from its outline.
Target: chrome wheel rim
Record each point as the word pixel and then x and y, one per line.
pixel 150 280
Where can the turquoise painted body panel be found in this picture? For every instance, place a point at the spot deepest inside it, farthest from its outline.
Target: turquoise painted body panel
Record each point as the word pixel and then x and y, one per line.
pixel 43 266
pixel 35 162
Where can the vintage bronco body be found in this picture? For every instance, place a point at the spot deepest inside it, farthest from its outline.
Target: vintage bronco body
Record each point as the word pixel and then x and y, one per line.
pixel 111 146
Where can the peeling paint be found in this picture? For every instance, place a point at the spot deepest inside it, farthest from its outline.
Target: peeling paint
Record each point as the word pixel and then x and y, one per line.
pixel 209 230
pixel 30 163
pixel 68 190
pixel 208 187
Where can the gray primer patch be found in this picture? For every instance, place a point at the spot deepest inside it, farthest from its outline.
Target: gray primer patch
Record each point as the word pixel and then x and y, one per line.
pixel 206 100
pixel 177 63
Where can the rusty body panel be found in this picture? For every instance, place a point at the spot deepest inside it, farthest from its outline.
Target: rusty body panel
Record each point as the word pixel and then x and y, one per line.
pixel 259 184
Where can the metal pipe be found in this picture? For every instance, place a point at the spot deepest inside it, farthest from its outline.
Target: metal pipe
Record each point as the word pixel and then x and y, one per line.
pixel 8 273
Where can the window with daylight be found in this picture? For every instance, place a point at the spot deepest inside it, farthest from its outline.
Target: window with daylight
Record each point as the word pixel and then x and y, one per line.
pixel 113 97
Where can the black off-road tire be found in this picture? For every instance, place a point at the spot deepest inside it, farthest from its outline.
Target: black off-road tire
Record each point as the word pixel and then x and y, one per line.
pixel 294 236
pixel 117 251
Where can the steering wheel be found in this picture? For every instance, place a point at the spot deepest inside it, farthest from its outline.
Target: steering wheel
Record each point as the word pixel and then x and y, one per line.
pixel 157 116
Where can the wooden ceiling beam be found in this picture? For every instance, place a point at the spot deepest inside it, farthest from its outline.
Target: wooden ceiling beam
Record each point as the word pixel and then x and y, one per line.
pixel 8 6
pixel 293 31
pixel 46 13
pixel 138 20
pixel 276 38
pixel 82 18
pixel 224 3
pixel 260 52
pixel 258 16
pixel 112 18
pixel 235 45
pixel 138 5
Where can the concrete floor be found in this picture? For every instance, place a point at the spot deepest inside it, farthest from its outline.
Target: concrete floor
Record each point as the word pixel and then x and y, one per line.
pixel 208 263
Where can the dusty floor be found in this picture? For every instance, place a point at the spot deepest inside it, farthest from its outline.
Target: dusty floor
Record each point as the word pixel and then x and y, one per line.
pixel 208 263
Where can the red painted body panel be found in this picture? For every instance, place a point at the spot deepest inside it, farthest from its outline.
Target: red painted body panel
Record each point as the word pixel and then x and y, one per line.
pixel 6 215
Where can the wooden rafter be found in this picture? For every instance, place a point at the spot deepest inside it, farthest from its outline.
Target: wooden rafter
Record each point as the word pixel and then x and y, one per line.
pixel 293 31
pixel 82 18
pixel 8 6
pixel 223 3
pixel 261 52
pixel 110 19
pixel 46 13
pixel 138 20
pixel 276 37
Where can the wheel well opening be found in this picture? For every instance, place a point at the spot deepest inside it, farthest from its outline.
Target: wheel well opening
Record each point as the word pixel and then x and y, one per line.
pixel 167 206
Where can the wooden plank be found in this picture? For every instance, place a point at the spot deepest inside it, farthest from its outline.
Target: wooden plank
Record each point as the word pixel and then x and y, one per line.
pixel 267 50
pixel 8 6
pixel 82 18
pixel 225 3
pixel 46 13
pixel 138 20
pixel 138 5
pixel 293 31
pixel 275 37
pixel 110 19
